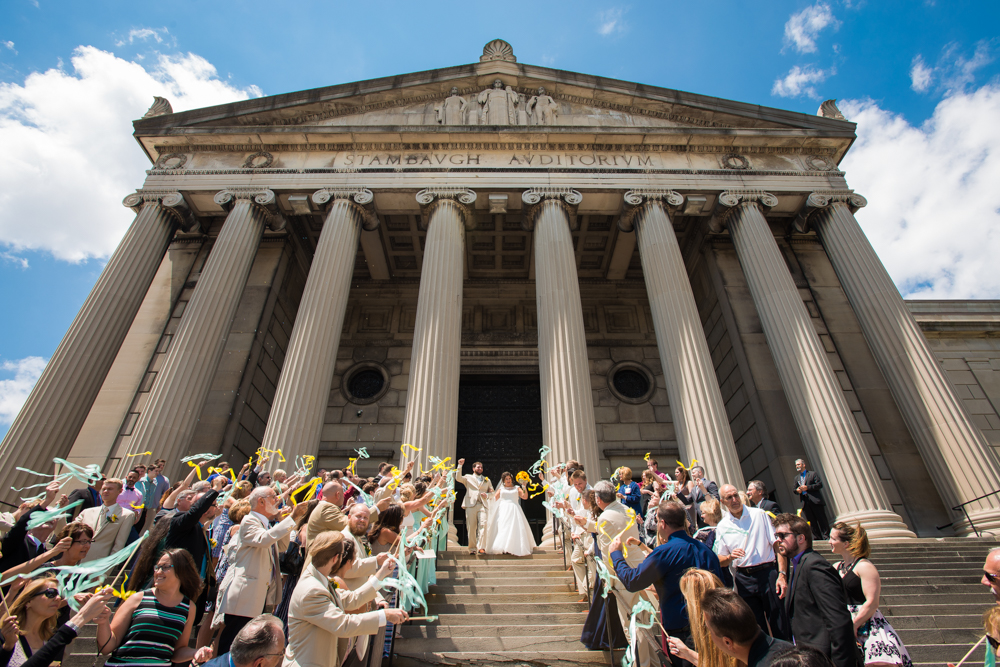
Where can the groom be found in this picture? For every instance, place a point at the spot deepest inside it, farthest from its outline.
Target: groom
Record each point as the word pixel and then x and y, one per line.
pixel 477 494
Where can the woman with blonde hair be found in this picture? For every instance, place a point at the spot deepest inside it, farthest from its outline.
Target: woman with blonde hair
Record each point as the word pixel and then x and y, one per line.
pixel 693 585
pixel 880 643
pixel 36 610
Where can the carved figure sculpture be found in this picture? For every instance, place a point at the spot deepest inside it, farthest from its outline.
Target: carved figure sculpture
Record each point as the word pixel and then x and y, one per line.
pixel 452 110
pixel 542 109
pixel 499 105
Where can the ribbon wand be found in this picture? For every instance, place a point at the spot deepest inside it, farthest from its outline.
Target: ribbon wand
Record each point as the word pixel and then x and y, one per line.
pixel 974 647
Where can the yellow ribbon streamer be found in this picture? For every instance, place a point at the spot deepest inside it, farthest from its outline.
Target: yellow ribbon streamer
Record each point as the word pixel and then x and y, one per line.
pixel 128 456
pixel 693 463
pixel 310 487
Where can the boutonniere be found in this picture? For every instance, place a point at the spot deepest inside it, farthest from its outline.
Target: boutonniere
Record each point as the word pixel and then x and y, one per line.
pixel 112 518
pixel 213 542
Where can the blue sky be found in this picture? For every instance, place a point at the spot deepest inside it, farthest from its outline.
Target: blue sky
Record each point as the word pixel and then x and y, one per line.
pixel 920 78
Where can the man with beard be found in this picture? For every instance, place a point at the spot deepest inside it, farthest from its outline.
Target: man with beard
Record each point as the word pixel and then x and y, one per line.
pixel 478 490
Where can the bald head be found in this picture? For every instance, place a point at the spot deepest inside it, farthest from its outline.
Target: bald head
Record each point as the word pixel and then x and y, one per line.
pixel 729 495
pixel 991 569
pixel 333 492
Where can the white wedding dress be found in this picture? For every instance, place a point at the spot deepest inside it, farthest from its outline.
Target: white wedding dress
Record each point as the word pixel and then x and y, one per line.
pixel 507 529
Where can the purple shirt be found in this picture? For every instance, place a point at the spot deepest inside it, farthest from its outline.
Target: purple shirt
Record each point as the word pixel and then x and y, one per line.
pixel 130 499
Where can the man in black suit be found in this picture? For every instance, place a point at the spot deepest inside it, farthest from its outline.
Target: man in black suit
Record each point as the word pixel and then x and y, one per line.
pixel 90 495
pixel 815 599
pixel 808 486
pixel 757 493
pixel 702 491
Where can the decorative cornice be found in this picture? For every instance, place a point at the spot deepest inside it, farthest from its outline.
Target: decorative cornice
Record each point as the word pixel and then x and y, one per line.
pixel 731 200
pixel 170 200
pixel 263 199
pixel 822 199
pixel 161 107
pixel 361 199
pixel 431 198
pixel 634 200
pixel 568 198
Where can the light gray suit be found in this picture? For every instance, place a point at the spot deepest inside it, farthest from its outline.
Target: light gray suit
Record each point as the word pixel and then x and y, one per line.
pixel 476 506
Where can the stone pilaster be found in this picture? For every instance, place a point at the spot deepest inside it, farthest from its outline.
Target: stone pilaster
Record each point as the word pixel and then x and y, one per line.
pixel 57 407
pixel 168 421
pixel 699 414
pixel 431 421
pixel 300 400
pixel 825 423
pixel 567 397
pixel 962 464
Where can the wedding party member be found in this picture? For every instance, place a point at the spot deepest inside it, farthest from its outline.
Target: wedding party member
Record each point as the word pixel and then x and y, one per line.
pixel 695 584
pixel 37 612
pixel 575 504
pixel 880 643
pixel 477 495
pixel 328 514
pixel 734 630
pixel 508 531
pixel 90 495
pixel 385 532
pixel 364 564
pixel 81 536
pixel 20 652
pixel 320 632
pixel 153 627
pixel 663 569
pixel 745 539
pixel 292 561
pixel 628 491
pixel 253 582
pixel 110 522
pixel 815 600
pixel 701 490
pixel 809 489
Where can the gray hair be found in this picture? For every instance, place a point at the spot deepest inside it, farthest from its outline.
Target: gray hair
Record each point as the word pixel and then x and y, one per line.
pixel 759 485
pixel 802 461
pixel 693 468
pixel 258 638
pixel 605 491
pixel 201 486
pixel 256 496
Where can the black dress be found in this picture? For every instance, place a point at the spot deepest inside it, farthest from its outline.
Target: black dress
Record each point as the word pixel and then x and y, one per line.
pixel 878 640
pixel 595 628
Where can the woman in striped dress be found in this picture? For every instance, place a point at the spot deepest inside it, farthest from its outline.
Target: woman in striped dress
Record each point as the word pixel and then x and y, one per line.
pixel 153 627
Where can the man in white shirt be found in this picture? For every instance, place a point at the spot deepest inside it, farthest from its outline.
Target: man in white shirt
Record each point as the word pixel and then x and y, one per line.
pixel 745 539
pixel 578 480
pixel 110 522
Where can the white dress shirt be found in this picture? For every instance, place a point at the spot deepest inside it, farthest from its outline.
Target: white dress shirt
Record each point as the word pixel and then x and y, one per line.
pixel 752 532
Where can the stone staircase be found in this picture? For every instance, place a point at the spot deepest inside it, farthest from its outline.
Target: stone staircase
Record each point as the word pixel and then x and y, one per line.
pixel 499 610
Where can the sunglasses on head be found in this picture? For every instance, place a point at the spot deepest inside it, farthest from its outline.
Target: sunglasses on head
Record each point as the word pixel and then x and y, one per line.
pixel 50 593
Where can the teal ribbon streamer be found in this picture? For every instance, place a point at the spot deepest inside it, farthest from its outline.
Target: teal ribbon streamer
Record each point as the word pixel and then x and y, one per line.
pixel 628 660
pixel 39 518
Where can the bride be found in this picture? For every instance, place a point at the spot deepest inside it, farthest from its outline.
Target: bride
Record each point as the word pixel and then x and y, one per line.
pixel 507 531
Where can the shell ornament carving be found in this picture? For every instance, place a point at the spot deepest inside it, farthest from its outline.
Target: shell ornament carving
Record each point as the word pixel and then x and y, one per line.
pixel 160 107
pixel 498 50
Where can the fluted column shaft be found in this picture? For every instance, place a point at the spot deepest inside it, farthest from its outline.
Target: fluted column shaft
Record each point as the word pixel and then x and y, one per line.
pixel 57 407
pixel 168 421
pixel 824 421
pixel 431 422
pixel 298 411
pixel 567 398
pixel 962 464
pixel 699 414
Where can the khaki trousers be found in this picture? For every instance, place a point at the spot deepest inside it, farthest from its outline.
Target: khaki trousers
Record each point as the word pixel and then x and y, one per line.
pixel 475 519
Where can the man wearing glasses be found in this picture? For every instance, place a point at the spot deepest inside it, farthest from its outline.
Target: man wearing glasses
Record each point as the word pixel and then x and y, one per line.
pixel 261 643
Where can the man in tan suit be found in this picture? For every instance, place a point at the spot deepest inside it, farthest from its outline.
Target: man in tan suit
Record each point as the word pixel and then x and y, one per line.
pixel 110 522
pixel 328 514
pixel 253 581
pixel 476 504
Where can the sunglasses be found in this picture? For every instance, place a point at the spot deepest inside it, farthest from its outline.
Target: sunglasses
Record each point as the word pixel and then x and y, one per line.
pixel 50 593
pixel 994 643
pixel 992 578
pixel 782 536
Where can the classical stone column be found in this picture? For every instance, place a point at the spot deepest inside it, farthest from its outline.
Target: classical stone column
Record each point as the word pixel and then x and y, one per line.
pixel 57 407
pixel 299 406
pixel 824 421
pixel 168 421
pixel 699 414
pixel 962 464
pixel 567 398
pixel 431 421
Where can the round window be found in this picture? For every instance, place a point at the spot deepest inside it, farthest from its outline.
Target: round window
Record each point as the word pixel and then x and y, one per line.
pixel 365 383
pixel 631 382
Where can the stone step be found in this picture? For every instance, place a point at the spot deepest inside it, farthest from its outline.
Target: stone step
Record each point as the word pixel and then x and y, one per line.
pixel 980 597
pixel 509 619
pixel 494 644
pixel 962 589
pixel 481 589
pixel 494 579
pixel 464 555
pixel 434 631
pixel 929 609
pixel 934 622
pixel 965 636
pixel 403 658
pixel 944 653
pixel 499 566
pixel 524 595
pixel 506 607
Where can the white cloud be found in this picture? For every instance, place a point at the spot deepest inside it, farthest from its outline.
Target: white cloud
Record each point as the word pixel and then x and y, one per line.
pixel 934 208
pixel 610 22
pixel 70 156
pixel 143 34
pixel 799 81
pixel 920 75
pixel 14 391
pixel 803 27
pixel 10 45
pixel 14 259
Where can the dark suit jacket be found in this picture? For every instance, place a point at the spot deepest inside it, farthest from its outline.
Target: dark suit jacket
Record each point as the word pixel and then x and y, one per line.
pixel 817 607
pixel 814 486
pixel 769 506
pixel 86 496
pixel 186 532
pixel 16 546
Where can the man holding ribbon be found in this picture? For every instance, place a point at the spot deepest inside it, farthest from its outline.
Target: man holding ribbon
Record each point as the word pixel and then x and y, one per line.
pixel 477 493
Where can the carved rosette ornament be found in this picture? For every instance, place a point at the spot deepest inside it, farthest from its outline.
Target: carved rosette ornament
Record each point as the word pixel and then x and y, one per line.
pixel 431 198
pixel 170 200
pixel 171 161
pixel 635 199
pixel 359 198
pixel 731 200
pixel 262 199
pixel 817 201
pixel 535 197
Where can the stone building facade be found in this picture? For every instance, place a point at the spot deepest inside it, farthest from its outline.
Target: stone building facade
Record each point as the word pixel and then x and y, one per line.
pixel 485 258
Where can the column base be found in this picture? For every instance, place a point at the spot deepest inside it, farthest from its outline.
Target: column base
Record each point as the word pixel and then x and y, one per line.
pixel 879 524
pixel 986 521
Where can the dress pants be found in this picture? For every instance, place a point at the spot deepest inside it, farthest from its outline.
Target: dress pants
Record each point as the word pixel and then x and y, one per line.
pixel 475 519
pixel 758 590
pixel 815 514
pixel 233 625
pixel 579 561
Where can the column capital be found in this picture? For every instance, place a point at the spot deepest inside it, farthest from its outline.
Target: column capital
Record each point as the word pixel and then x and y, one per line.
pixel 262 199
pixel 568 198
pixel 731 200
pixel 431 198
pixel 635 199
pixel 171 201
pixel 360 199
pixel 822 199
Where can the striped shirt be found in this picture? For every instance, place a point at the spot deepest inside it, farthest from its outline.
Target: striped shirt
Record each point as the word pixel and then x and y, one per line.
pixel 152 635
